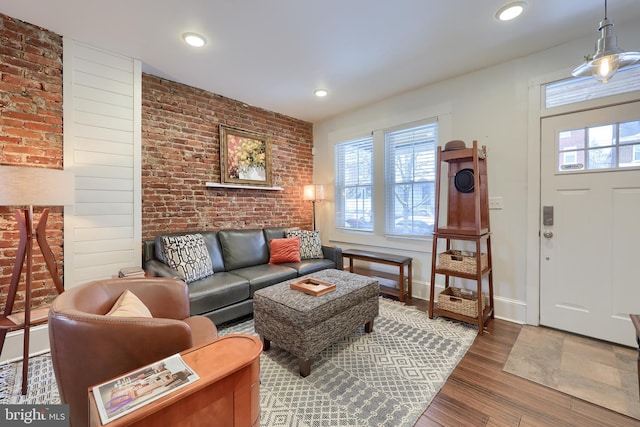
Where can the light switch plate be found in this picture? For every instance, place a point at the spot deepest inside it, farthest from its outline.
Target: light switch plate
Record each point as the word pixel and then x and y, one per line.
pixel 495 202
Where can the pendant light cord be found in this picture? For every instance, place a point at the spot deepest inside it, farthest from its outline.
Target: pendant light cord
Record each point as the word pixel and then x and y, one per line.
pixel 605 9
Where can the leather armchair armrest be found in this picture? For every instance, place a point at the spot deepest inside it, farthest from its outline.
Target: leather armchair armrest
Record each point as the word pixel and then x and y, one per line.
pixel 333 253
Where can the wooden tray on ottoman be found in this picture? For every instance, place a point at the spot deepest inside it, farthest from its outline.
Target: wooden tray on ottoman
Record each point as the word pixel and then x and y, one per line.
pixel 312 286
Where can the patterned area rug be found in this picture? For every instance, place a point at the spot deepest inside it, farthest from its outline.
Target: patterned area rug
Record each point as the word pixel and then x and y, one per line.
pixel 386 378
pixel 41 388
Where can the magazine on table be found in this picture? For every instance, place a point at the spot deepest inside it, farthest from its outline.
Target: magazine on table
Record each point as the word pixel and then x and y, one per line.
pixel 127 393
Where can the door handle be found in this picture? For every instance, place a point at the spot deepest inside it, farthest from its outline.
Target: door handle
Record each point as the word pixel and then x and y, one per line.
pixel 548 234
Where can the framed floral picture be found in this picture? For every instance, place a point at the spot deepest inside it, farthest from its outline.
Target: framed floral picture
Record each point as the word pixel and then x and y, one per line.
pixel 245 157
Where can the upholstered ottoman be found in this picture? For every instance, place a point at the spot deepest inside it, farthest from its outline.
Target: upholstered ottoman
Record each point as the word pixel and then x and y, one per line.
pixel 305 325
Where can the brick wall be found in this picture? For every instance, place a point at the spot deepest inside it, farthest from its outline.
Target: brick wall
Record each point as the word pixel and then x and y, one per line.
pixel 30 134
pixel 181 152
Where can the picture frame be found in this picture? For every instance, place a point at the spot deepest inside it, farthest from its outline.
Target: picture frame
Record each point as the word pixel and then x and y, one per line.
pixel 245 157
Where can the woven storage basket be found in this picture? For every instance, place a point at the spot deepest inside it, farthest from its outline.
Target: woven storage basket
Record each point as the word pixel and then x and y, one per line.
pixel 461 261
pixel 453 299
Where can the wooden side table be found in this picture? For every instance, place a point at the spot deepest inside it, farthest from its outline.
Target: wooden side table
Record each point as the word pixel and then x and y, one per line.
pixel 227 393
pixel 387 281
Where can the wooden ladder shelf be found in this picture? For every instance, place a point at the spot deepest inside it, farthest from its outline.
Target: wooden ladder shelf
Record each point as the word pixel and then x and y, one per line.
pixel 467 221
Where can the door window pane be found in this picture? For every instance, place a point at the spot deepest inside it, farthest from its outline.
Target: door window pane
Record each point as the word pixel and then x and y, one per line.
pixel 630 132
pixel 610 146
pixel 602 158
pixel 571 139
pixel 601 136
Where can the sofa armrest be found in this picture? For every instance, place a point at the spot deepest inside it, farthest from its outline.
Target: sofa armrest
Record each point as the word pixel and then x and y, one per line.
pixel 333 253
pixel 148 251
pixel 160 269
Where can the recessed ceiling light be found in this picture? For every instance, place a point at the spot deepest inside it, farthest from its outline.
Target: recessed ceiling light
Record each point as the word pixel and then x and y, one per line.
pixel 321 92
pixel 193 39
pixel 511 11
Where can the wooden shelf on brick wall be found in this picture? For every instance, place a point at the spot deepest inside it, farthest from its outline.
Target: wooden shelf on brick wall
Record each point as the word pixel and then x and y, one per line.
pixel 246 187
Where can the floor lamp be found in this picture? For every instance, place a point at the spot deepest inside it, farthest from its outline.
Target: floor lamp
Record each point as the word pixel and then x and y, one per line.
pixel 29 186
pixel 314 193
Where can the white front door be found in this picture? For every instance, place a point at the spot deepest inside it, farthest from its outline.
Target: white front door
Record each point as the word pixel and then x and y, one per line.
pixel 590 222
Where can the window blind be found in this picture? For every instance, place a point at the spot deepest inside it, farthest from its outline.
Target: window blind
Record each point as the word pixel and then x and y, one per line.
pixel 579 89
pixel 410 156
pixel 354 184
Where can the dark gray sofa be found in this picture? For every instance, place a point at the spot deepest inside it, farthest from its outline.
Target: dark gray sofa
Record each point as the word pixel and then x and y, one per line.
pixel 241 266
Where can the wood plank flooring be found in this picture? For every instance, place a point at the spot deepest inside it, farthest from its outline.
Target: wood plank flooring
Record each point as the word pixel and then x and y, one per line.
pixel 479 393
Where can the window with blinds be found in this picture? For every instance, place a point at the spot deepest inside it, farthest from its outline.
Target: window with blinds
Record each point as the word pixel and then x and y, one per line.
pixel 579 89
pixel 410 173
pixel 354 184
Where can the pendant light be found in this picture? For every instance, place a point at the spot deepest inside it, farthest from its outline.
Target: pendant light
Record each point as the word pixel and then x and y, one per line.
pixel 608 58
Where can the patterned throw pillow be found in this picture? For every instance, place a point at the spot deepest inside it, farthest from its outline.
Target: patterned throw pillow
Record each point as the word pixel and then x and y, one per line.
pixel 284 250
pixel 129 305
pixel 310 244
pixel 188 255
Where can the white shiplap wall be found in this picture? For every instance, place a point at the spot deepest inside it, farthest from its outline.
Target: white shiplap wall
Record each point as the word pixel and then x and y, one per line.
pixel 102 145
pixel 102 103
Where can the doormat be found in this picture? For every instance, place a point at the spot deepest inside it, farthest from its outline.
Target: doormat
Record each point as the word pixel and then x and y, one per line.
pixel 596 371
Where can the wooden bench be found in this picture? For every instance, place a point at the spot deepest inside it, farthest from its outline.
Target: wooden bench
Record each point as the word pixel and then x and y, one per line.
pixel 388 282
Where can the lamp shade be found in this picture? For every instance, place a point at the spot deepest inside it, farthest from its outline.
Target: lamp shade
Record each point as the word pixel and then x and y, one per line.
pixel 30 186
pixel 313 192
pixel 608 57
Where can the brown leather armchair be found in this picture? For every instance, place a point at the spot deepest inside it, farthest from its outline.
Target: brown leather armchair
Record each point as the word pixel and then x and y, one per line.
pixel 88 348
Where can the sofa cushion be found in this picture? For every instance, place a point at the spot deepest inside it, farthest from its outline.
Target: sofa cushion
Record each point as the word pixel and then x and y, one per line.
pixel 217 291
pixel 188 255
pixel 284 250
pixel 129 305
pixel 243 248
pixel 307 266
pixel 263 275
pixel 213 246
pixel 277 232
pixel 310 244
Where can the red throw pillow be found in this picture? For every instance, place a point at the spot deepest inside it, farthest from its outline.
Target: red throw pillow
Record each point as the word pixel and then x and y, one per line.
pixel 284 250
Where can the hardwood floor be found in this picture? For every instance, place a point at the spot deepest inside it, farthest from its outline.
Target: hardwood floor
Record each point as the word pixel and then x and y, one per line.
pixel 479 393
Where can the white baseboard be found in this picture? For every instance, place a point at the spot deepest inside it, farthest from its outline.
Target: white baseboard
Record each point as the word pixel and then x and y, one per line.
pixel 38 343
pixel 505 308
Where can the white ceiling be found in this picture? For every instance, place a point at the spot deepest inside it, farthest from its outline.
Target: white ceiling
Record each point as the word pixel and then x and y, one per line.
pixel 274 53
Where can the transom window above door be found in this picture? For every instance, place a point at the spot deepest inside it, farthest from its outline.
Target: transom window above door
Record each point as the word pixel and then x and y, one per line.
pixel 603 147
